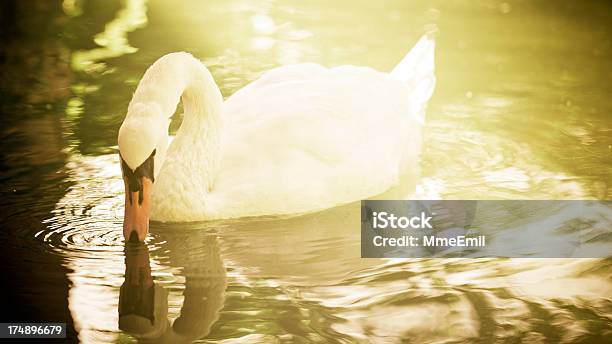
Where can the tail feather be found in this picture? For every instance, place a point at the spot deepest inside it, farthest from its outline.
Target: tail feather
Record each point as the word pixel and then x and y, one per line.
pixel 417 70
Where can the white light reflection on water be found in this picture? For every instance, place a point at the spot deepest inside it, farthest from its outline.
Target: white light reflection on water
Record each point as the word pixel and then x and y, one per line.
pixel 302 278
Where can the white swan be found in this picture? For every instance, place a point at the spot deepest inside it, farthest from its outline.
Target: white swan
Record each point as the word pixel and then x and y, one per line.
pixel 301 138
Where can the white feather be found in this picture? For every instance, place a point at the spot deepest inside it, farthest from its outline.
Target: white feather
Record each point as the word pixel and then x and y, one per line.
pixel 301 138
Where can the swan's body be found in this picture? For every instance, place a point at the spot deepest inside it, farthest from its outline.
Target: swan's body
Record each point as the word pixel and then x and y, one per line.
pixel 300 138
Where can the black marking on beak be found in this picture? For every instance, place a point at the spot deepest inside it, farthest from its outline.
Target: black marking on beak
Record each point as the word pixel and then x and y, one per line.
pixel 133 237
pixel 135 177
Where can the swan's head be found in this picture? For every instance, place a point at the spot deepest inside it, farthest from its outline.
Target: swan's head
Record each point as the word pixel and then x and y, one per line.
pixel 140 138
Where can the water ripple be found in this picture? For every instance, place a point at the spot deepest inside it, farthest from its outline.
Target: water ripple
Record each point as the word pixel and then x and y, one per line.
pixel 279 277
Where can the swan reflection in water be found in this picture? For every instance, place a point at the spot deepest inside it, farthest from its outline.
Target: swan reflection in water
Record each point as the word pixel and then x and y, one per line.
pixel 143 304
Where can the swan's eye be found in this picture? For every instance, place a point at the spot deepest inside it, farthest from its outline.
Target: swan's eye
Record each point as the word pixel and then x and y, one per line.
pixel 135 177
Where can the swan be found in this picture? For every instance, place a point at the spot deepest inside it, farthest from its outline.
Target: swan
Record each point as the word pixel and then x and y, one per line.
pixel 299 139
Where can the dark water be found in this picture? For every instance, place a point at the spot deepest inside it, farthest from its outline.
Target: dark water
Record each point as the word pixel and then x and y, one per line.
pixel 521 111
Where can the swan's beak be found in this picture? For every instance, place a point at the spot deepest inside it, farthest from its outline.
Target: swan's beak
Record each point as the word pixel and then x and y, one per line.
pixel 137 208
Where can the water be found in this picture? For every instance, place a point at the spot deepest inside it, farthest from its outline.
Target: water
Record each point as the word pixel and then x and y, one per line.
pixel 521 111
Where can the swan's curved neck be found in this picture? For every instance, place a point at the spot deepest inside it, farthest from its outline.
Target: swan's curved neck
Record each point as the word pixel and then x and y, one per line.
pixel 174 77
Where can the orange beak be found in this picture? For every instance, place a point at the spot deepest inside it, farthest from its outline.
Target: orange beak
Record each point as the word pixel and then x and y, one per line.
pixel 137 209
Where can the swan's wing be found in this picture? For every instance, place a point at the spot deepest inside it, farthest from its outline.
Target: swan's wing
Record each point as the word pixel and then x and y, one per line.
pixel 304 138
pixel 416 70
